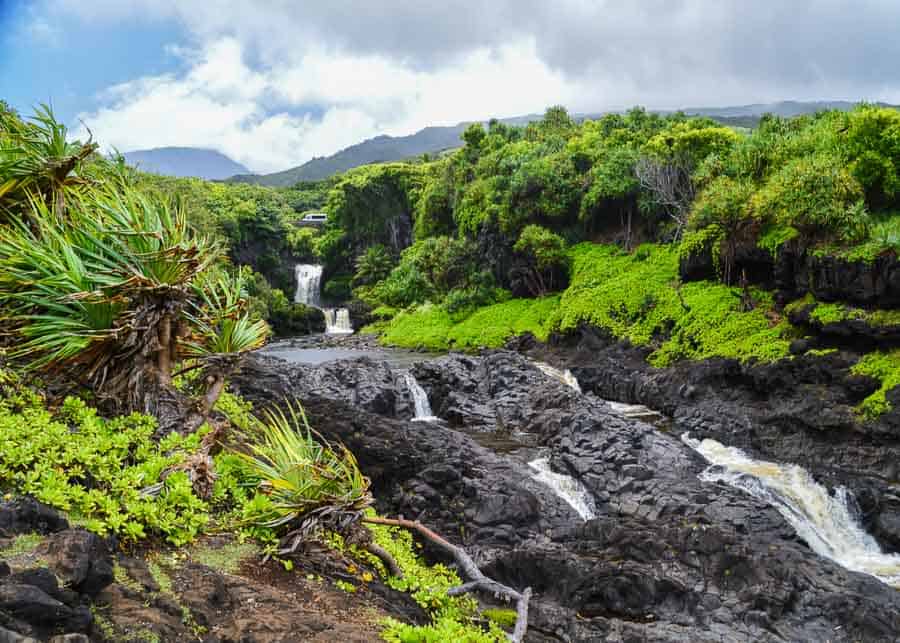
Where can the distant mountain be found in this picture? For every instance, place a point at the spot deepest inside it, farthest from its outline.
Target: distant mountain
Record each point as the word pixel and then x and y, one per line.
pixel 437 139
pixel 185 161
pixel 375 150
pixel 786 108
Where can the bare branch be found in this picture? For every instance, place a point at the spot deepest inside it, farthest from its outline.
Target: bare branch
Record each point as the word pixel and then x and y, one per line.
pixel 470 570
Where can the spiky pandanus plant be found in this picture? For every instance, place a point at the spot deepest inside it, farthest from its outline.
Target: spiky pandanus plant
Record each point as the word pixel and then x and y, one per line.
pixel 37 159
pixel 116 294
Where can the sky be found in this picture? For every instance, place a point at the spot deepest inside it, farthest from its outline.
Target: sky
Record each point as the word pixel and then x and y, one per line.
pixel 273 83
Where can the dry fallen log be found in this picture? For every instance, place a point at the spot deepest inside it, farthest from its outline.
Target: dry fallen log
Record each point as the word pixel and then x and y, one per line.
pixel 477 580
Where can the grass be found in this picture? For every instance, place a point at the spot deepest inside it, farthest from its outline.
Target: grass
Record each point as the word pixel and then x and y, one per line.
pixel 884 367
pixel 824 313
pixel 633 296
pixel 21 545
pixel 433 328
pixel 227 558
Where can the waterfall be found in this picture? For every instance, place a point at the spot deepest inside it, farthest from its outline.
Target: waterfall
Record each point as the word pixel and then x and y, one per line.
pixel 337 321
pixel 309 278
pixel 420 399
pixel 828 523
pixel 566 487
pixel 308 281
pixel 565 376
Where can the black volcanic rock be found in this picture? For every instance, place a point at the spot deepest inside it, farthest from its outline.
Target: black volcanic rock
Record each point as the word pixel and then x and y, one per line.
pixel 668 558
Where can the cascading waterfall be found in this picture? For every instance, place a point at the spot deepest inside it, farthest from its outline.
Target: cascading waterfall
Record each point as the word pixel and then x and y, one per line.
pixel 420 399
pixel 309 278
pixel 827 523
pixel 565 376
pixel 566 487
pixel 337 321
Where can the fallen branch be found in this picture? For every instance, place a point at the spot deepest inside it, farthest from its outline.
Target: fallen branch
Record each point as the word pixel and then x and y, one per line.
pixel 477 580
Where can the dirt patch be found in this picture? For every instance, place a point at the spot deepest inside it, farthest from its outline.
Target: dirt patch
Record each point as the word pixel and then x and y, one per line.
pixel 169 596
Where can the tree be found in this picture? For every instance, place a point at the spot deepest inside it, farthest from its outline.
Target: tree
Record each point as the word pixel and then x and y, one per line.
pixel 119 291
pixel 37 159
pixel 543 259
pixel 725 205
pixel 669 159
pixel 372 266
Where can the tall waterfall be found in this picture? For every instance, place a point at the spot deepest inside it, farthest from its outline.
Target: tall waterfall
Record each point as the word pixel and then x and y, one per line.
pixel 420 399
pixel 566 487
pixel 309 278
pixel 565 376
pixel 828 523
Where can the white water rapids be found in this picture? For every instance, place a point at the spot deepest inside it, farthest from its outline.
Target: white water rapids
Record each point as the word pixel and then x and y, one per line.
pixel 566 487
pixel 420 399
pixel 565 376
pixel 309 278
pixel 826 522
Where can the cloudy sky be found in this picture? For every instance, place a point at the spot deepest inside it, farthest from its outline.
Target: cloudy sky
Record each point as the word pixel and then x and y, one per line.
pixel 273 83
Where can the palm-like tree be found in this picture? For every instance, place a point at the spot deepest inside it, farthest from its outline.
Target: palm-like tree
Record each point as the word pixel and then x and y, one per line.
pixel 36 158
pixel 117 293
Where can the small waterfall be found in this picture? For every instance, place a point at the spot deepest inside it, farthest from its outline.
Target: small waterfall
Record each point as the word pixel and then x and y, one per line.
pixel 309 277
pixel 827 523
pixel 566 487
pixel 420 399
pixel 565 376
pixel 337 321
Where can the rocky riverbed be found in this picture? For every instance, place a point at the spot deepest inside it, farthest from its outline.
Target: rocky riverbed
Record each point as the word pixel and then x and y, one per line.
pixel 659 549
pixel 668 557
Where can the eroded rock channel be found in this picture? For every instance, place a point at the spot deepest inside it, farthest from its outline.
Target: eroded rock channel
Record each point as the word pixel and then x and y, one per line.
pixel 666 553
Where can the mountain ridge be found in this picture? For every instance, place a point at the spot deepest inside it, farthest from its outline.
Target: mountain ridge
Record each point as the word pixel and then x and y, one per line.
pixel 186 161
pixel 435 139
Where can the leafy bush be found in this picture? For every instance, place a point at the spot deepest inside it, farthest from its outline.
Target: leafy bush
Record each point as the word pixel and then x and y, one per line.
pixel 297 477
pixel 544 258
pixel 94 468
pixel 815 194
pixel 373 265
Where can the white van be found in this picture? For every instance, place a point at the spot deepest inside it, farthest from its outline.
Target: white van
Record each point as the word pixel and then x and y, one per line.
pixel 315 217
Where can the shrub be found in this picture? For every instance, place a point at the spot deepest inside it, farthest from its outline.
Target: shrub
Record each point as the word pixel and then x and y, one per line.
pixel 544 260
pixel 298 478
pixel 95 469
pixel 884 366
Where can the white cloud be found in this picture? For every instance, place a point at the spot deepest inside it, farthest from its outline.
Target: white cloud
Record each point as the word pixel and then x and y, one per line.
pixel 223 103
pixel 274 82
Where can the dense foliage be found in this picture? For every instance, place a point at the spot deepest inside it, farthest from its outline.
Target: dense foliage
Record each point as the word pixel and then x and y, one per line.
pixel 95 468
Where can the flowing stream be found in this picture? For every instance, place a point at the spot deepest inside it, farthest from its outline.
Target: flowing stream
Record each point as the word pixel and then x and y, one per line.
pixel 565 376
pixel 566 487
pixel 828 523
pixel 420 399
pixel 309 281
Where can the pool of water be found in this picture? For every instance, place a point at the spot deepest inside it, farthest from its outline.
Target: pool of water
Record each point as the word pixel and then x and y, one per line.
pixel 310 354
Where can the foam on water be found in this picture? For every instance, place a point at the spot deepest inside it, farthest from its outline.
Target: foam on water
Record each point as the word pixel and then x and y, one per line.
pixel 827 522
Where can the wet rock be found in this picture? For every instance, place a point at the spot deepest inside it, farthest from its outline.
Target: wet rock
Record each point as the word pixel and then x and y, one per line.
pixel 798 410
